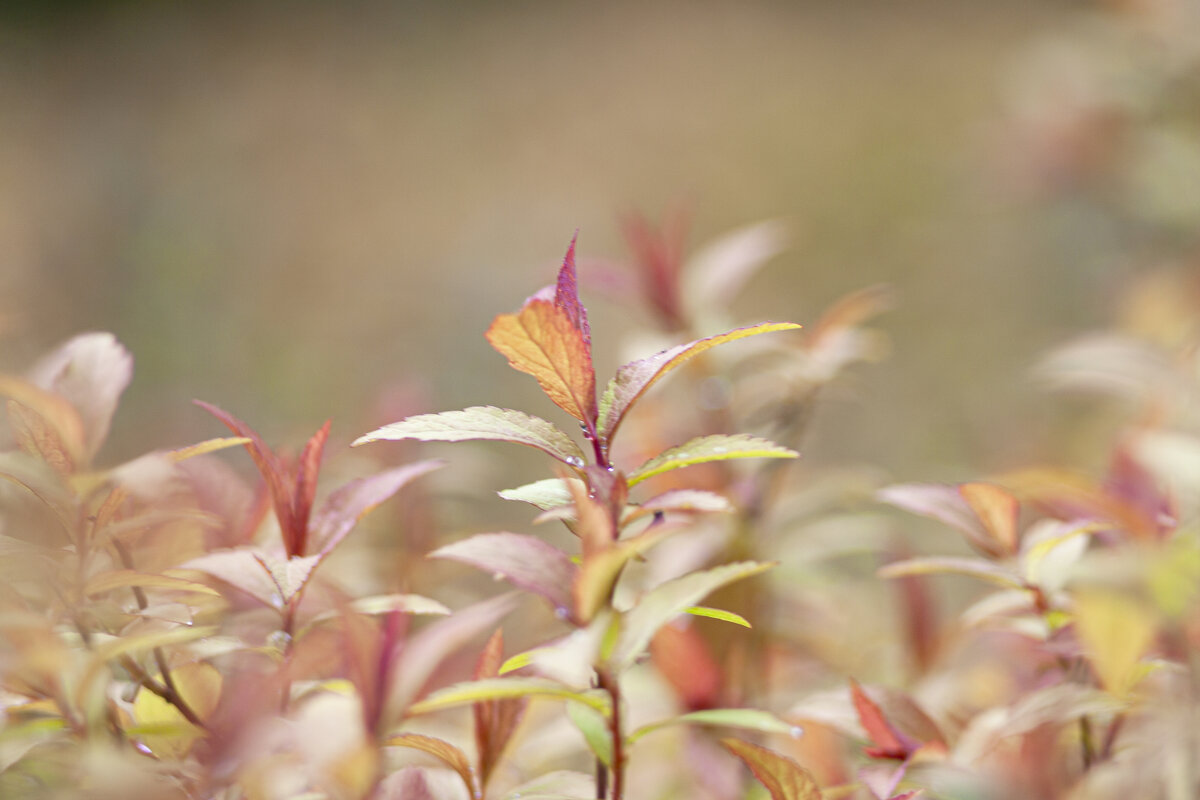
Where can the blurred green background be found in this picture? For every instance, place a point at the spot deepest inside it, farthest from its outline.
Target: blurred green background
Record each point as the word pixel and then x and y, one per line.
pixel 299 210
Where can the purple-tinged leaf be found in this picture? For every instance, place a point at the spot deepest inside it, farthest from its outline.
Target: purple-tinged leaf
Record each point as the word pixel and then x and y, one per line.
pixel 703 449
pixel 783 777
pixel 270 466
pixel 55 410
pixel 694 501
pixel 633 379
pixel 90 371
pixel 946 504
pixel 524 561
pixel 566 295
pixel 717 273
pixel 425 652
pixel 243 568
pixel 483 422
pixel 348 504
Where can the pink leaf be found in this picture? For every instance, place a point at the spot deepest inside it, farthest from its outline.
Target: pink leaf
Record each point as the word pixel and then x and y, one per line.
pixel 524 561
pixel 342 510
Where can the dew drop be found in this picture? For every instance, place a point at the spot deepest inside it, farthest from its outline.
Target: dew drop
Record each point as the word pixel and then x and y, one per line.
pixel 796 731
pixel 142 748
pixel 574 461
pixel 560 612
pixel 498 576
pixel 277 600
pixel 279 639
pixel 718 449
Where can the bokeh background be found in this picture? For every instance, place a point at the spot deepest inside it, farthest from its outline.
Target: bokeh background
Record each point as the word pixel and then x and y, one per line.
pixel 307 210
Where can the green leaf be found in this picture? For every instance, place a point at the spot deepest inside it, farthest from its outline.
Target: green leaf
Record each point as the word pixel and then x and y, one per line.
pixel 462 694
pixel 595 729
pixel 716 613
pixel 525 561
pixel 950 565
pixel 601 570
pixel 783 777
pixel 710 448
pixel 486 423
pixel 669 600
pixel 633 379
pixel 746 718
pixel 545 494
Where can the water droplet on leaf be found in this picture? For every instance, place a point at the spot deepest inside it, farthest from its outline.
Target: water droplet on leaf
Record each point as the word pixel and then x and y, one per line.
pixel 796 731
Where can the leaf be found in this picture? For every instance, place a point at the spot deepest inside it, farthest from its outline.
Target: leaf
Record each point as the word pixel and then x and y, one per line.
pixel 696 501
pixel 482 422
pixel 718 271
pixel 716 613
pixel 667 601
pixel 206 447
pixel 783 777
pixel 997 510
pixel 242 568
pixel 566 294
pixel 595 730
pixel 274 472
pixel 39 438
pixel 305 490
pixel 127 578
pixel 348 504
pixel 950 565
pixel 633 379
pixel 745 718
pixel 455 758
pixel 525 561
pixel 200 686
pixel 1116 632
pixel 544 494
pixel 710 448
pixel 426 651
pixel 600 571
pixel 495 720
pixel 55 410
pixel 544 339
pixel 462 694
pixel 558 785
pixel 1052 548
pixel 90 372
pixel 888 741
pixel 946 504
pixel 404 603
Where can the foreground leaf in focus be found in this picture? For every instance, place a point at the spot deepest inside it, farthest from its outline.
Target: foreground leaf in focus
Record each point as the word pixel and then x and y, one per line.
pixel 703 449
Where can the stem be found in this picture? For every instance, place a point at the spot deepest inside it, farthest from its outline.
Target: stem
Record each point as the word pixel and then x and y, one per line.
pixel 170 691
pixel 1086 743
pixel 610 684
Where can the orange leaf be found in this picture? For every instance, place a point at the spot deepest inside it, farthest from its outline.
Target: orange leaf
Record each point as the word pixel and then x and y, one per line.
pixel 997 509
pixel 542 340
pixel 495 720
pixel 783 777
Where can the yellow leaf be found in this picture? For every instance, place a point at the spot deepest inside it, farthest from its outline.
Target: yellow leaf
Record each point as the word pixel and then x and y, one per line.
pixel 166 732
pixel 1116 631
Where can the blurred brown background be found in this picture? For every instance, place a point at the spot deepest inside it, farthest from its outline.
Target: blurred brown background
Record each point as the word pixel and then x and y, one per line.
pixel 293 209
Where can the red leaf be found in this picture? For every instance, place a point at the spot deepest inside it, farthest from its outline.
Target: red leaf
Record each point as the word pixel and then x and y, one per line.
pixel 345 506
pixel 495 720
pixel 305 489
pixel 686 661
pixel 889 743
pixel 269 466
